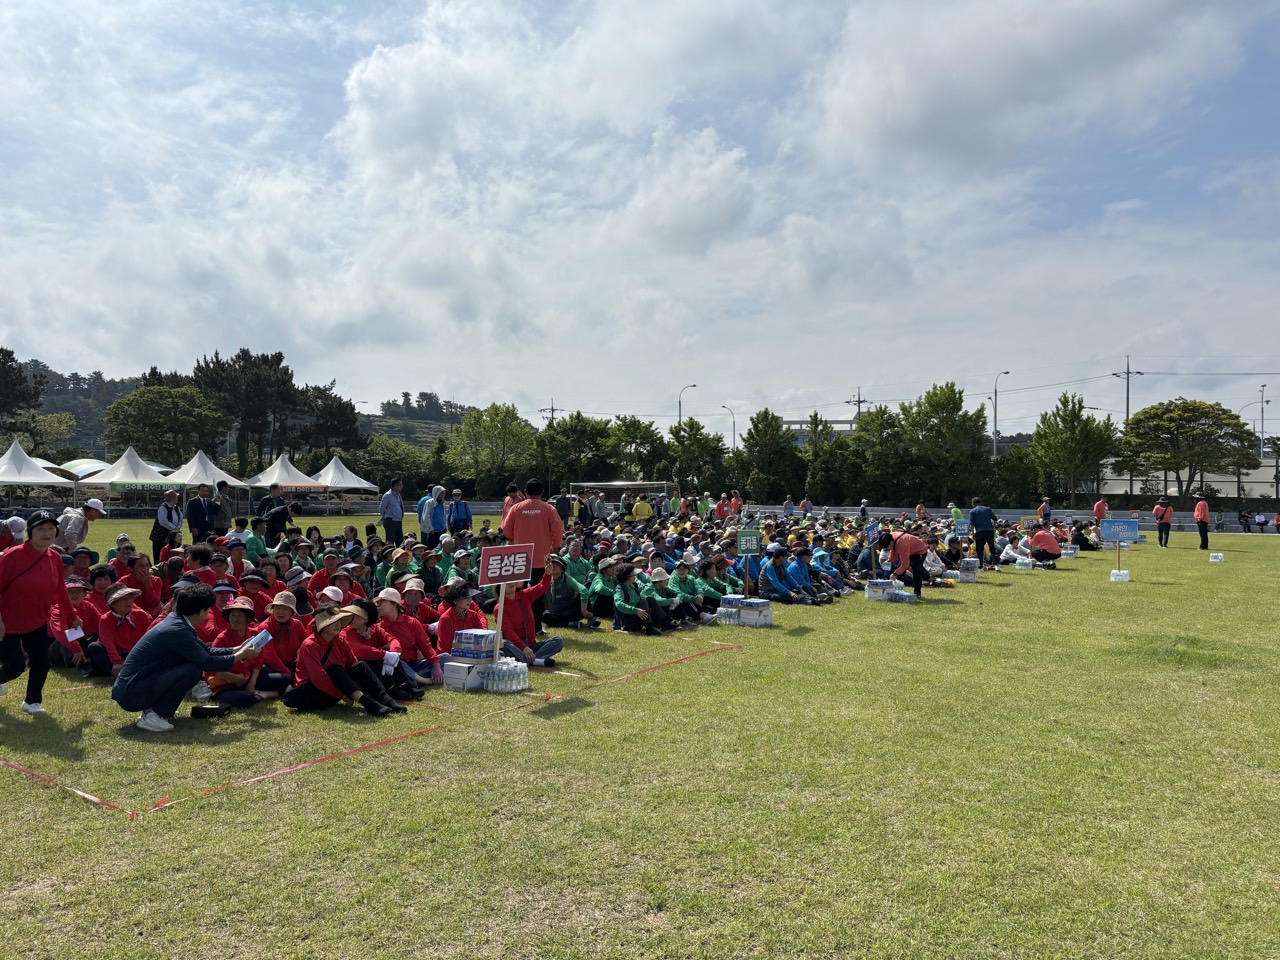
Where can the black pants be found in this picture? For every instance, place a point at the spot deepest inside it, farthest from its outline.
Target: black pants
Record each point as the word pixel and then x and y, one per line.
pixel 161 692
pixel 918 575
pixel 1162 533
pixel 602 607
pixel 353 680
pixel 1044 556
pixel 985 538
pixel 1204 534
pixel 19 649
pixel 395 531
pixel 550 619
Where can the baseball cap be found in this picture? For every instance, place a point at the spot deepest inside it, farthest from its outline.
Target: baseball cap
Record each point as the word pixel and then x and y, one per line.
pixel 96 504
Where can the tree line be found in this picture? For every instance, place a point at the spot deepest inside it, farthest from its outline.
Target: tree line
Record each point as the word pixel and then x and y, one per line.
pixel 931 449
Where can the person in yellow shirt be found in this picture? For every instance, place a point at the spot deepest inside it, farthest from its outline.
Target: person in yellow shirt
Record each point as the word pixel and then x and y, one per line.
pixel 641 510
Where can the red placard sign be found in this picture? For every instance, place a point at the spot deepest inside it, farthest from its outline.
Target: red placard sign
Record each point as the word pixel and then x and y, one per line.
pixel 510 564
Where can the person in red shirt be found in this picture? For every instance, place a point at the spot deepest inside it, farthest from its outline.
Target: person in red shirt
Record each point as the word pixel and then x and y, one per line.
pixel 723 508
pixel 215 622
pixel 1045 548
pixel 139 578
pixel 12 531
pixel 198 560
pixel 269 567
pixel 1100 509
pixel 735 502
pixel 71 653
pixel 520 626
pixel 908 551
pixel 409 638
pixel 31 584
pixel 254 679
pixel 123 560
pixel 415 605
pixel 287 631
pixel 1163 514
pixel 328 567
pixel 377 648
pixel 1202 520
pixel 533 520
pixel 253 586
pixel 119 630
pixel 458 613
pixel 221 568
pixel 329 672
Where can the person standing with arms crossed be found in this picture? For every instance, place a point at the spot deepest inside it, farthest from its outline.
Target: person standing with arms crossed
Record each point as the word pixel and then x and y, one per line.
pixel 391 512
pixel 1163 514
pixel 1202 520
pixel 532 520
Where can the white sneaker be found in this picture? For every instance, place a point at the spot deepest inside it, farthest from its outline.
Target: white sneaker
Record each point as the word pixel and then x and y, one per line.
pixel 32 708
pixel 152 722
pixel 710 618
pixel 4 689
pixel 202 692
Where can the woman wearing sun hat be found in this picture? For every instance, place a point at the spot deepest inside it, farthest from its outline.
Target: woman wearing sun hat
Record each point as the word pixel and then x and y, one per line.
pixel 119 630
pixel 31 584
pixel 328 672
pixel 250 681
pixel 286 629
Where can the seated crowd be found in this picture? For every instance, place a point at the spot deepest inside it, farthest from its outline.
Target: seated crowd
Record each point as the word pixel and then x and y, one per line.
pixel 372 623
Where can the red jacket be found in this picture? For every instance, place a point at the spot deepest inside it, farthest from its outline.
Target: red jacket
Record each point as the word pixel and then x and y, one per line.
pixel 119 634
pixel 213 625
pixel 88 618
pixel 314 656
pixel 150 599
pixel 31 585
pixel 228 639
pixel 1201 514
pixel 535 522
pixel 369 648
pixel 409 638
pixel 906 546
pixel 259 601
pixel 287 637
pixel 519 623
pixel 450 623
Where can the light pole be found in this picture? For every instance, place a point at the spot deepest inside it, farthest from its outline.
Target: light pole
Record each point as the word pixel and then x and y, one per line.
pixel 680 403
pixel 725 406
pixel 1263 401
pixel 1262 432
pixel 995 413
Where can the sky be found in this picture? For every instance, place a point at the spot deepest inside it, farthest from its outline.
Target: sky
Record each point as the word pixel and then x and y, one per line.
pixel 594 204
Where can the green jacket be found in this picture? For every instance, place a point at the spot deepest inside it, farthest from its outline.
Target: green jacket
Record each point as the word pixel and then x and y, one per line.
pixel 626 599
pixel 601 585
pixel 582 569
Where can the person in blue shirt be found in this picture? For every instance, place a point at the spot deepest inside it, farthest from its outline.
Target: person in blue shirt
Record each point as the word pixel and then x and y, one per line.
pixel 798 574
pixel 775 585
pixel 982 525
pixel 458 514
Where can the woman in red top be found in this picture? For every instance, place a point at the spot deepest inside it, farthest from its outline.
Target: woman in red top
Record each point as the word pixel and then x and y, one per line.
pixel 31 584
pixel 909 552
pixel 119 630
pixel 376 647
pixel 198 559
pixel 139 578
pixel 72 653
pixel 410 638
pixel 520 626
pixel 461 614
pixel 254 679
pixel 1163 513
pixel 328 672
pixel 215 622
pixel 253 586
pixel 287 631
pixel 270 569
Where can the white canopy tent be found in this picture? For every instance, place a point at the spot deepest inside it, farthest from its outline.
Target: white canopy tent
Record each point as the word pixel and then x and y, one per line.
pixel 18 469
pixel 200 469
pixel 336 476
pixel 127 473
pixel 290 478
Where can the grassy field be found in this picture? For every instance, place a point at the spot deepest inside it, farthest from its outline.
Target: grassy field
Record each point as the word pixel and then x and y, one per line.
pixel 1043 764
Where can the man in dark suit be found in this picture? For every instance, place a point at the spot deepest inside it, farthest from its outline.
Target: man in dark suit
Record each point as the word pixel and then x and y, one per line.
pixel 201 512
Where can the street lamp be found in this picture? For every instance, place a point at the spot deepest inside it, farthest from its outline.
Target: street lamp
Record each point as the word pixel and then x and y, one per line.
pixel 995 413
pixel 1262 433
pixel 680 403
pixel 725 406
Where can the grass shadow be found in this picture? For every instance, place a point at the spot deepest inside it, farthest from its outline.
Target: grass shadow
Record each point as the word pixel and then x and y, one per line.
pixel 1182 651
pixel 799 631
pixel 43 734
pixel 188 731
pixel 559 708
pixel 597 646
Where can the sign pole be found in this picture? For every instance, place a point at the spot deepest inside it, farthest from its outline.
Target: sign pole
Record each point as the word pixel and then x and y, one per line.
pixel 497 640
pixel 1117 554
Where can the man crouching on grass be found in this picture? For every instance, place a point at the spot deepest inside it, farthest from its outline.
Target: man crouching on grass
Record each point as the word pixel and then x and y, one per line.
pixel 169 660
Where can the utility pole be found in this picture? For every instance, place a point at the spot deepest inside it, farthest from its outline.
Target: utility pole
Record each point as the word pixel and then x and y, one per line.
pixel 1128 376
pixel 551 410
pixel 859 401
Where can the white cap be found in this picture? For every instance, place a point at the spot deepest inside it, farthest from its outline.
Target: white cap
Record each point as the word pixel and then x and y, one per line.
pixel 391 594
pixel 96 504
pixel 18 527
pixel 332 593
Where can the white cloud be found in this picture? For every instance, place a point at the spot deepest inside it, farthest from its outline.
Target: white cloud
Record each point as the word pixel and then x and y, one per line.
pixel 602 202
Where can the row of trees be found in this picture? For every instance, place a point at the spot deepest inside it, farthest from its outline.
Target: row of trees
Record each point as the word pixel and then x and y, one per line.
pixel 930 449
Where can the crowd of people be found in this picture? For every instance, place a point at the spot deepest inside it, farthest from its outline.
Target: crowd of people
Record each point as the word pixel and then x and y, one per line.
pixel 255 608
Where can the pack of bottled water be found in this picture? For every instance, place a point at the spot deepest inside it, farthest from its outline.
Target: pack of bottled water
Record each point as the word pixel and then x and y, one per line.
pixel 729 616
pixel 902 596
pixel 474 644
pixel 731 600
pixel 880 589
pixel 506 676
pixel 1025 563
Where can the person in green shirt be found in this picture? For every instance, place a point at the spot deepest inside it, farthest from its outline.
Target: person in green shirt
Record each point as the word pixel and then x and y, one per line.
pixel 578 566
pixel 635 611
pixel 687 590
pixel 429 571
pixel 255 546
pixel 600 593
pixel 956 513
pixel 710 587
pixel 565 599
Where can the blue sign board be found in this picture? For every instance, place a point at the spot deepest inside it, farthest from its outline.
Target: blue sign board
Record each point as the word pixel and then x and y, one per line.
pixel 962 528
pixel 1114 531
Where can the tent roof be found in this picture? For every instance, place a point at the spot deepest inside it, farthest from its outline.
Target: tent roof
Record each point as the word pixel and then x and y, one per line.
pixel 287 475
pixel 18 468
pixel 336 476
pixel 84 466
pixel 128 469
pixel 200 469
pixel 158 467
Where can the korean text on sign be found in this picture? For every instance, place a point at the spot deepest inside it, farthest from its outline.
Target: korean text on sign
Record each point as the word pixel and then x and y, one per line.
pixel 509 564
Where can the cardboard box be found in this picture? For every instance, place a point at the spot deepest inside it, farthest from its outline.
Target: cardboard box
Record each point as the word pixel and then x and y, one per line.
pixel 967 576
pixel 458 674
pixel 1119 576
pixel 879 589
pixel 732 600
pixel 756 617
pixel 1070 552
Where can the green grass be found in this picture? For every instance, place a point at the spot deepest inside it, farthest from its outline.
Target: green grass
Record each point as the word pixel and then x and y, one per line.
pixel 1043 764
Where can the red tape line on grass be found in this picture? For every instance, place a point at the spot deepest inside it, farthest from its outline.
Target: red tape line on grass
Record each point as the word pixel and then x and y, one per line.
pixel 669 663
pixel 62 786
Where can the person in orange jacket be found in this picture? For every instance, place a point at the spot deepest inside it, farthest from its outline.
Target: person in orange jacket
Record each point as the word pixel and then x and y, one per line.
pixel 533 520
pixel 906 552
pixel 1202 520
pixel 1163 514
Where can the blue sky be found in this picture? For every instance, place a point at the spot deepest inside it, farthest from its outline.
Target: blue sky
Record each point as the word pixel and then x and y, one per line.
pixel 779 201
